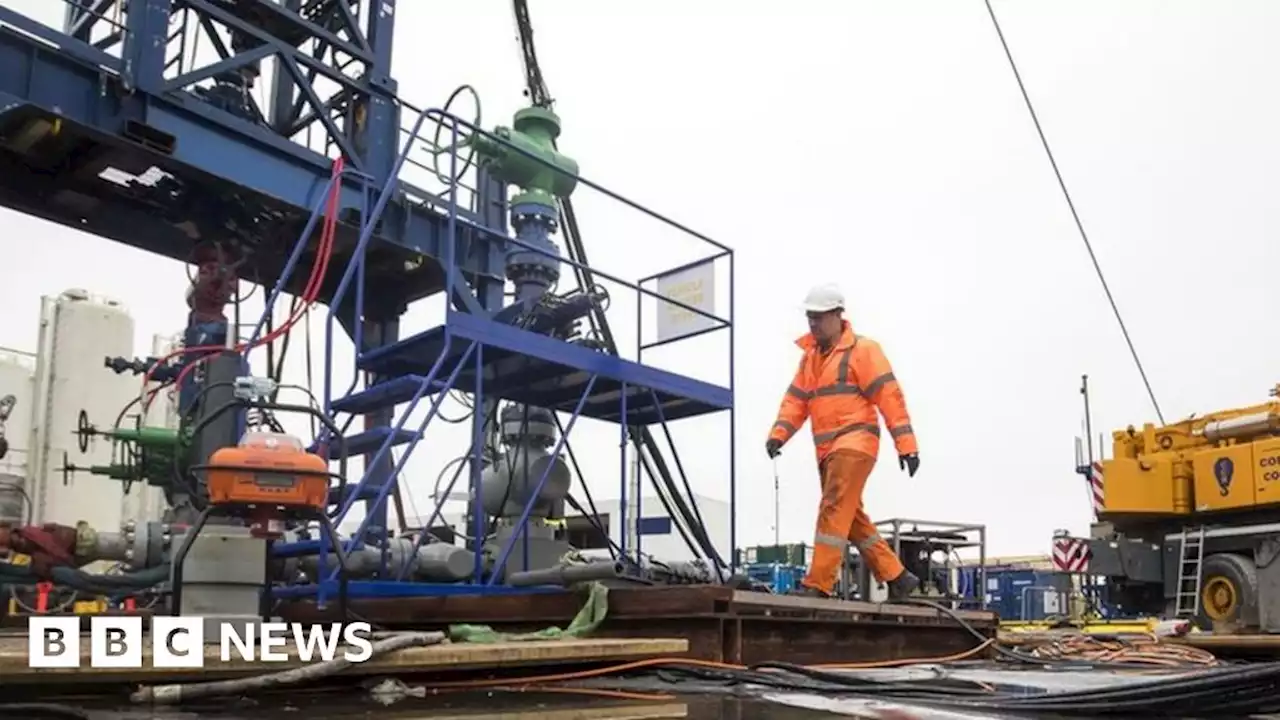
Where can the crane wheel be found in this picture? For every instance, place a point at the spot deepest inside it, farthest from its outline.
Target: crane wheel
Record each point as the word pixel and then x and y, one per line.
pixel 1228 591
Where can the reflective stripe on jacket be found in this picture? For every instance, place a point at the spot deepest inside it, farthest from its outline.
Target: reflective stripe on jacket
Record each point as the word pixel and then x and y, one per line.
pixel 839 391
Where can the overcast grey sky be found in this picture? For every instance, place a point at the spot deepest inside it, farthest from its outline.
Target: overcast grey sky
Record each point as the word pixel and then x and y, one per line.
pixel 884 146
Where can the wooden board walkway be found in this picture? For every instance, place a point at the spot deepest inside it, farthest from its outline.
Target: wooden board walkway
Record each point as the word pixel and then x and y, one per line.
pixel 447 657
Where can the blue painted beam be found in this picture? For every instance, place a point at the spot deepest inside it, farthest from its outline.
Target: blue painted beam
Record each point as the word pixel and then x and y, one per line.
pixel 224 160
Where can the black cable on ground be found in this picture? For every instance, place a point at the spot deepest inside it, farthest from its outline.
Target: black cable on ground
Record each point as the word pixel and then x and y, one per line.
pixel 1225 692
pixel 1044 141
pixel 41 710
pixel 1016 655
pixel 930 687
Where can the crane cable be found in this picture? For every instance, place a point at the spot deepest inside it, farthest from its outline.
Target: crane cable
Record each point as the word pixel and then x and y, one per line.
pixel 1044 141
pixel 647 448
pixel 540 96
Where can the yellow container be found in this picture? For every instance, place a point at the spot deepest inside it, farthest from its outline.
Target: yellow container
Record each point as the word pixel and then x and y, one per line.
pixel 1143 487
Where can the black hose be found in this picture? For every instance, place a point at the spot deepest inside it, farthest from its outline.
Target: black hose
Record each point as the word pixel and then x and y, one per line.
pixel 1016 655
pixel 76 579
pixel 936 686
pixel 42 710
pixel 1225 692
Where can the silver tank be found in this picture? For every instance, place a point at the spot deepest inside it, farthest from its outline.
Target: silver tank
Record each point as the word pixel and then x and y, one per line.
pixel 520 468
pixel 527 435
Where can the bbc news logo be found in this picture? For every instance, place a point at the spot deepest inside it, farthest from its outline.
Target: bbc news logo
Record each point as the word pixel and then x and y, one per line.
pixel 179 642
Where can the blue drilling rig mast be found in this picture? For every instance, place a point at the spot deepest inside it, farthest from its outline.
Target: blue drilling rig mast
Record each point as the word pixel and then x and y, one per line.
pixel 112 126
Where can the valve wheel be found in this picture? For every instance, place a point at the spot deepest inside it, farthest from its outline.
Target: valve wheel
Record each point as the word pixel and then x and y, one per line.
pixel 1220 598
pixel 67 469
pixel 84 431
pixel 446 178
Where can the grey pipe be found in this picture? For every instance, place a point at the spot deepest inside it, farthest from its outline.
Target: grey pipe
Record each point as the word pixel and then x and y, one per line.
pixel 566 575
pixel 1240 427
pixel 434 561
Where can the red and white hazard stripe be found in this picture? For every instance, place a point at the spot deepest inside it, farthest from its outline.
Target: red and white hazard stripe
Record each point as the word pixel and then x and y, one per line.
pixel 1095 485
pixel 1070 555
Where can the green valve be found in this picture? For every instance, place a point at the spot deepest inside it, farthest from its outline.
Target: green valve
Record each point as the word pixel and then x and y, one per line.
pixel 534 130
pixel 115 471
pixel 148 437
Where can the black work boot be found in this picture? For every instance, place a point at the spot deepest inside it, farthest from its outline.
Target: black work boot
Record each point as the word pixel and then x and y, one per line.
pixel 806 591
pixel 901 587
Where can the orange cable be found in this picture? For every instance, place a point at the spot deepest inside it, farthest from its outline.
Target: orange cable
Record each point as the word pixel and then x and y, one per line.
pixel 593 692
pixel 312 289
pixel 1180 658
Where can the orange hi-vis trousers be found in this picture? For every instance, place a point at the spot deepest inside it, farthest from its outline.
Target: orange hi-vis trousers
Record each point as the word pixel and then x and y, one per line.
pixel 842 520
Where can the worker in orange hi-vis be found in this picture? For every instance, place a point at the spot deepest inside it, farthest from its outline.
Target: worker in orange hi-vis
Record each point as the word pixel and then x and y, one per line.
pixel 842 380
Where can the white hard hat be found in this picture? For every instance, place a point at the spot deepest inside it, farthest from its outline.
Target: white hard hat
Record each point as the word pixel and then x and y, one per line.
pixel 824 298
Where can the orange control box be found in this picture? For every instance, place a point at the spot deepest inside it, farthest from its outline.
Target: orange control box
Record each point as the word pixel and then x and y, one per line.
pixel 268 469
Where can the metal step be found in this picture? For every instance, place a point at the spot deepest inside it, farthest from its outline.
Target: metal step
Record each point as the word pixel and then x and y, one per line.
pixel 369 441
pixel 384 395
pixel 368 492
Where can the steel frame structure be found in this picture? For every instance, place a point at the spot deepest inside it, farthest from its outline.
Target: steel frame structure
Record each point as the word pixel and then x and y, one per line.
pixel 493 359
pixel 948 536
pixel 111 128
pixel 186 168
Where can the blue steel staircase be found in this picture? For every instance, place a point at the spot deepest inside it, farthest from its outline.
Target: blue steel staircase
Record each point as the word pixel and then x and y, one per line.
pixel 488 359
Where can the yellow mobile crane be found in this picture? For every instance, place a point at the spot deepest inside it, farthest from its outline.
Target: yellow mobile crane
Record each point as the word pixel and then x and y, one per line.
pixel 1188 518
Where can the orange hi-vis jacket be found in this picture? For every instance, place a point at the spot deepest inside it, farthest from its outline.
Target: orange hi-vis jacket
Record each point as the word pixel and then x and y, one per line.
pixel 839 392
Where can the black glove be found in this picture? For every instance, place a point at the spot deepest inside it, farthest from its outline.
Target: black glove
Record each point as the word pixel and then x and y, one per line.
pixel 910 463
pixel 773 447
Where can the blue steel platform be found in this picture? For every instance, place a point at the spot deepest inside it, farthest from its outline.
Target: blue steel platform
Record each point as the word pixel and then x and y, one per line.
pixel 537 370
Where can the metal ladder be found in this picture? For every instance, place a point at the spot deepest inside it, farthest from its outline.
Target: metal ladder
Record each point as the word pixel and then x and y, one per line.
pixel 1187 601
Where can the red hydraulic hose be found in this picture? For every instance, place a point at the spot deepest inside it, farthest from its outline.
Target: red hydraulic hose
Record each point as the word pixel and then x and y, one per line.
pixel 310 292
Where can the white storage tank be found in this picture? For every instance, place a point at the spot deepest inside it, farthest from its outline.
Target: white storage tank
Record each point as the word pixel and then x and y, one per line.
pixel 17 379
pixel 77 331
